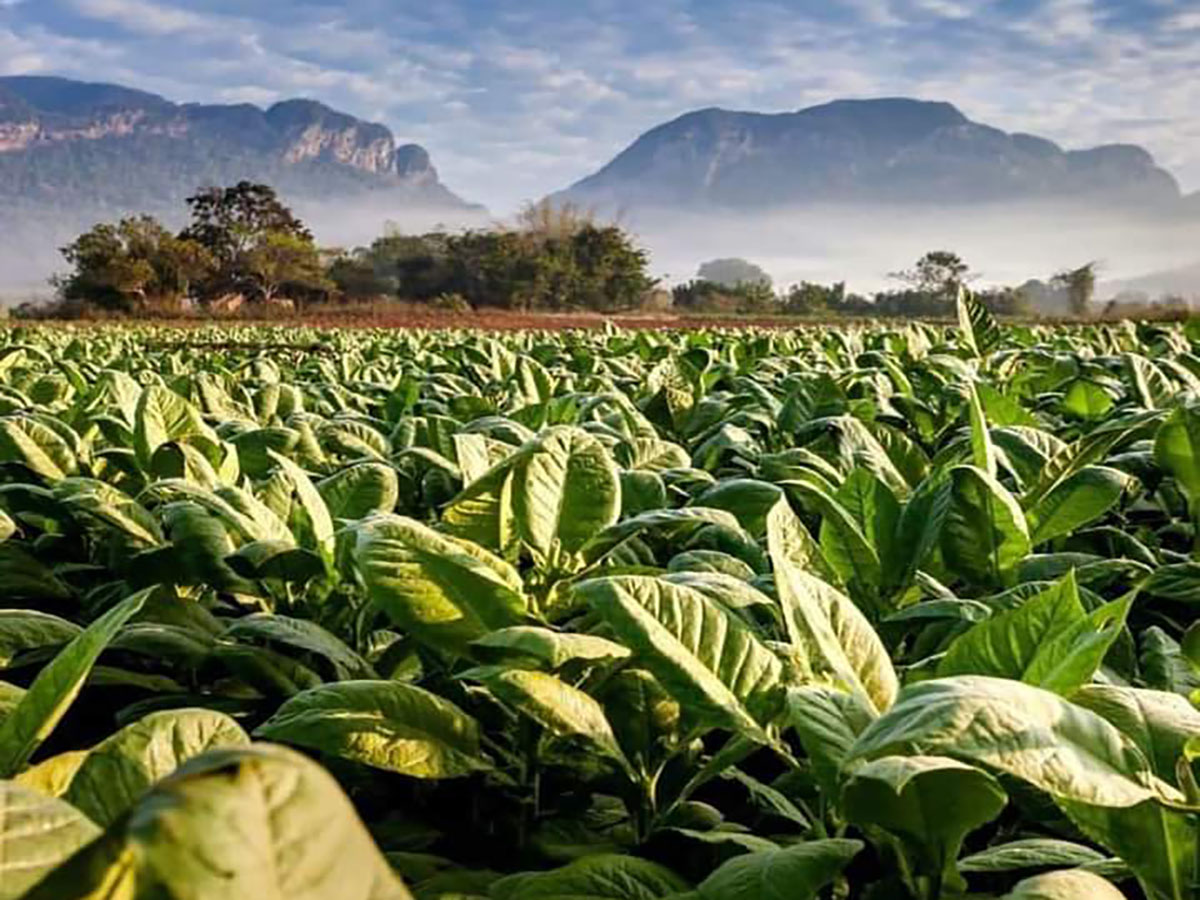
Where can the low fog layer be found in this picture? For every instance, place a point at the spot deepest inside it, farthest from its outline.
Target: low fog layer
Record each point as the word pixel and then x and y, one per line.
pixel 1006 245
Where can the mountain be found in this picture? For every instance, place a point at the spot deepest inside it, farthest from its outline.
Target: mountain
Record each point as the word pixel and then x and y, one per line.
pixel 73 153
pixel 1179 281
pixel 885 151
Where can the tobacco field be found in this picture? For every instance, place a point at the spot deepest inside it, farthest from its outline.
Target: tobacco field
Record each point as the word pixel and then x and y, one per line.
pixel 900 612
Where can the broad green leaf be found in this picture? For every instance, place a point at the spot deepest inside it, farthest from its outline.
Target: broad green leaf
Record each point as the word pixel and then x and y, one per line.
pixel 711 562
pixel 558 707
pixel 654 454
pixel 643 715
pixel 386 724
pixel 1086 400
pixel 115 773
pixel 824 626
pixel 1026 732
pixel 471 452
pixel 10 696
pixel 245 514
pixel 747 499
pixel 1150 385
pixel 254 448
pixel 1071 884
pixel 28 629
pixel 843 542
pixel 1030 853
pixel 828 721
pixel 983 452
pixel 163 416
pixel 1002 408
pixel 259 821
pixel 483 512
pixel 1179 583
pixel 200 544
pixel 978 327
pixel 873 507
pixel 919 529
pixel 37 833
pixel 1078 501
pixel 598 877
pixel 797 872
pixel 673 524
pixel 985 534
pixel 1158 843
pixel 316 524
pixel 36 447
pixel 359 491
pixel 303 635
pixel 278 560
pixel 565 491
pixel 353 440
pixel 767 798
pixel 57 685
pixel 445 591
pixel 1089 450
pixel 930 803
pixel 552 649
pixel 1177 449
pixel 1048 641
pixel 94 501
pixel 855 446
pixel 707 657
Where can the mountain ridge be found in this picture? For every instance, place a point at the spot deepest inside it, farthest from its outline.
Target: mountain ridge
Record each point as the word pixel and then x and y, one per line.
pixel 44 114
pixel 880 150
pixel 75 153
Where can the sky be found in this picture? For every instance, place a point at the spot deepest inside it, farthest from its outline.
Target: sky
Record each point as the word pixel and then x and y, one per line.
pixel 518 99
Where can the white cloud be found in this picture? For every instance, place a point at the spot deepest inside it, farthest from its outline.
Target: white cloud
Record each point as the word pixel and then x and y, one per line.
pixel 144 17
pixel 947 9
pixel 516 98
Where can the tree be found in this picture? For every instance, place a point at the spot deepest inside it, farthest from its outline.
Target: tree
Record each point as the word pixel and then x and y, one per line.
pixel 808 298
pixel 1006 301
pixel 413 267
pixel 354 277
pixel 283 260
pixel 547 219
pixel 711 297
pixel 257 243
pixel 1080 286
pixel 243 227
pixel 229 221
pixel 609 271
pixel 938 273
pixel 732 272
pixel 124 265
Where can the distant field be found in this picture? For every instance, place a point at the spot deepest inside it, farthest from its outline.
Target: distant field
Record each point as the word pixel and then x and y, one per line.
pixel 406 317
pixel 430 319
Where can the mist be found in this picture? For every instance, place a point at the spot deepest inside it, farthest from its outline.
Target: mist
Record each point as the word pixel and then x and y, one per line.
pixel 1004 244
pixel 357 224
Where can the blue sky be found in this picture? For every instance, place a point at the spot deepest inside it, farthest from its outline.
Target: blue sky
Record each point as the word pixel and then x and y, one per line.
pixel 516 99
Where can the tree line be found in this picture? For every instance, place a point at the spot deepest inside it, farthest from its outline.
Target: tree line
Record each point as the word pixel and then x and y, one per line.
pixel 242 244
pixel 927 290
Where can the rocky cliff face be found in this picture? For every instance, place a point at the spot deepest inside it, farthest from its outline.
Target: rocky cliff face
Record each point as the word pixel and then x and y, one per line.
pixel 873 151
pixel 38 114
pixel 72 154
